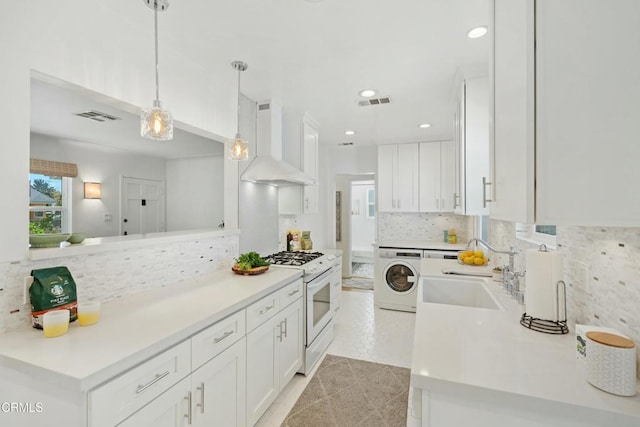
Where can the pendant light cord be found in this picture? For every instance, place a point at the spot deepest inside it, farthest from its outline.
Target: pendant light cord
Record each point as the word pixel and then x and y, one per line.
pixel 155 18
pixel 239 74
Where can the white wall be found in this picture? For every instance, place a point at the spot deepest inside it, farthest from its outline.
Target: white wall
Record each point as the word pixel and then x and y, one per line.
pixel 195 196
pixel 96 164
pixel 66 39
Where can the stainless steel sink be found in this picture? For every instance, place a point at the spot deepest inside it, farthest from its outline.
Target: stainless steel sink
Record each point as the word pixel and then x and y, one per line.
pixel 462 291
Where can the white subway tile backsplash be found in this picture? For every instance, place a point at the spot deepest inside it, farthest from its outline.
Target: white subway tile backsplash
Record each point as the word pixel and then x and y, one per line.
pixel 422 226
pixel 611 256
pixel 108 275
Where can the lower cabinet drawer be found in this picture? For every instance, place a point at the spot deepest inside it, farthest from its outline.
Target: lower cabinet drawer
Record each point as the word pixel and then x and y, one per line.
pixel 290 293
pixel 216 338
pixel 117 399
pixel 261 310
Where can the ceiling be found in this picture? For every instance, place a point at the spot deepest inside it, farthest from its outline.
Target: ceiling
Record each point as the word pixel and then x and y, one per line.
pixel 316 55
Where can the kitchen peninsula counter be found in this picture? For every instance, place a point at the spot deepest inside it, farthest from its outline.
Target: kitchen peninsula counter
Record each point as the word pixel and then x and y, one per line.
pixel 481 365
pixel 133 328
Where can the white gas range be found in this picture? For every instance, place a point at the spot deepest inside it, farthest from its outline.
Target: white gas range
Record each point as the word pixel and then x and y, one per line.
pixel 317 271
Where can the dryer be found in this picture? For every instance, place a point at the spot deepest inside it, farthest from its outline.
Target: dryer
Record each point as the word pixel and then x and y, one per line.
pixel 395 280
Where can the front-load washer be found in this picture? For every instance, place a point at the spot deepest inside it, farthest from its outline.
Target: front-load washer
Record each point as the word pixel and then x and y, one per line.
pixel 395 280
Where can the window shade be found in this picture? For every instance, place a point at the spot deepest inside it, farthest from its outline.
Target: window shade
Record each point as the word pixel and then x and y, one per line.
pixel 51 168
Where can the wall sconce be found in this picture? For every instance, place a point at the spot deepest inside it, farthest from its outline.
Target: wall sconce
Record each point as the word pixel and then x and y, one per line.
pixel 92 190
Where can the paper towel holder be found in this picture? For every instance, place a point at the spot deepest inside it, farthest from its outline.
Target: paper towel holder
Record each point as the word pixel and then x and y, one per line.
pixel 550 326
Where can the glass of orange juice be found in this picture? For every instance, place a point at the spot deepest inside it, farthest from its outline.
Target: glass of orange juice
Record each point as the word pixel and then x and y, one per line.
pixel 55 323
pixel 88 312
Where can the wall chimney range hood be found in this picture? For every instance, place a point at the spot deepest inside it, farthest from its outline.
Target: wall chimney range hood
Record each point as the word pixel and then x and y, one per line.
pixel 268 167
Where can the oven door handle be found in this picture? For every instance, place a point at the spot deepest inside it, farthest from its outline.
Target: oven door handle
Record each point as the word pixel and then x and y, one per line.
pixel 319 281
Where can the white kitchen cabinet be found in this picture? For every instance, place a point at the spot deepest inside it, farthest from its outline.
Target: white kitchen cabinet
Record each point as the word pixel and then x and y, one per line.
pixel 170 409
pixel 565 105
pixel 303 199
pixel 218 389
pixel 274 355
pixel 212 395
pixel 398 179
pixel 335 291
pixel 437 170
pixel 471 139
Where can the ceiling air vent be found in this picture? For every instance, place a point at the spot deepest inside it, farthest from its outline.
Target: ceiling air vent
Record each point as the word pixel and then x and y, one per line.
pixel 343 144
pixel 98 116
pixel 374 101
pixel 263 107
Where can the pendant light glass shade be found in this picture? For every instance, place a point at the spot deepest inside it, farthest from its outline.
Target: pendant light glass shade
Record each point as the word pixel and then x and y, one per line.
pixel 155 122
pixel 238 148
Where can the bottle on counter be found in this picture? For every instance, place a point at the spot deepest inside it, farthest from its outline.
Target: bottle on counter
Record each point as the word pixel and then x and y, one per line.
pixel 452 237
pixel 445 234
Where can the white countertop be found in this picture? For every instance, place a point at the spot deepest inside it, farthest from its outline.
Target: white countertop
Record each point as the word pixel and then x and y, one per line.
pixel 474 350
pixel 420 244
pixel 134 328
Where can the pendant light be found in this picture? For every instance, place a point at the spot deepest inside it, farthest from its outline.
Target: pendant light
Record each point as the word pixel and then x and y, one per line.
pixel 156 123
pixel 238 148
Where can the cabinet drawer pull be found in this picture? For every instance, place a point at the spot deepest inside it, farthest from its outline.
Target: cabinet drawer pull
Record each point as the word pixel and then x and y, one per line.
pixel 284 330
pixel 225 335
pixel 292 293
pixel 189 415
pixel 267 308
pixel 201 404
pixel 155 379
pixel 280 334
pixel 484 191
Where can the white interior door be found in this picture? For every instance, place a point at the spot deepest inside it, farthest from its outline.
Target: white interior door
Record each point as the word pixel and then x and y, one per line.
pixel 142 208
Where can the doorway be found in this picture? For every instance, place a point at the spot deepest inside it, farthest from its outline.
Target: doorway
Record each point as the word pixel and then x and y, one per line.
pixel 142 206
pixel 356 228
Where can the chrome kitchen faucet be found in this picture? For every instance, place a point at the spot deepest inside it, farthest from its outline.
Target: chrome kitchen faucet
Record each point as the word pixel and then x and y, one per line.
pixel 510 277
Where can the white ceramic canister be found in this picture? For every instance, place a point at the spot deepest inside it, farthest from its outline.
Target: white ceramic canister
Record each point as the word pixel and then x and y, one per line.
pixel 611 363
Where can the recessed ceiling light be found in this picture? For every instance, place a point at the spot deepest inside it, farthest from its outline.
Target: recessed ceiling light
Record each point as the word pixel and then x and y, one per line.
pixel 367 93
pixel 476 32
pixel 424 125
pixel 349 132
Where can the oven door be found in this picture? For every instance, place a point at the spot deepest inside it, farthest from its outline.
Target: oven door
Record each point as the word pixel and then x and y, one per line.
pixel 318 305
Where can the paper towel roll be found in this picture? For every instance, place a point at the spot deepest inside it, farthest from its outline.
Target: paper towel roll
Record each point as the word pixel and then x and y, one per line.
pixel 543 271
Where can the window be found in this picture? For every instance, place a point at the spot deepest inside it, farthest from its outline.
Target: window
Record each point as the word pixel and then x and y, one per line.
pixel 371 203
pixel 539 234
pixel 49 201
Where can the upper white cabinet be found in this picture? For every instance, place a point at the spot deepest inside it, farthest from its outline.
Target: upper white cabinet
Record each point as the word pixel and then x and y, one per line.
pixel 301 150
pixel 437 176
pixel 471 139
pixel 398 179
pixel 566 102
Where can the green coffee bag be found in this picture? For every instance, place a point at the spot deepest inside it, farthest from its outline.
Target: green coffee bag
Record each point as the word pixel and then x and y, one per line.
pixel 52 289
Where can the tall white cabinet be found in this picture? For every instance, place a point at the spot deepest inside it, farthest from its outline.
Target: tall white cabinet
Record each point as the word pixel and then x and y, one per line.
pixel 398 168
pixel 565 108
pixel 471 139
pixel 437 176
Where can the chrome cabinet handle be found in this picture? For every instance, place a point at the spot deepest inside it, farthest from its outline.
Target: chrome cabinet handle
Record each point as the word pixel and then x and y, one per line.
pixel 280 334
pixel 264 310
pixel 225 335
pixel 189 415
pixel 455 200
pixel 484 191
pixel 201 404
pixel 292 293
pixel 155 379
pixel 284 331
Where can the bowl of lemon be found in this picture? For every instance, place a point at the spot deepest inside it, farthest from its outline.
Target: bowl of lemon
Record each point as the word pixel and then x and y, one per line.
pixel 475 258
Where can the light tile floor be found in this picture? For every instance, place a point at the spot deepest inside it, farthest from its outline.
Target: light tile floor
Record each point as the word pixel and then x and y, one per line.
pixel 361 332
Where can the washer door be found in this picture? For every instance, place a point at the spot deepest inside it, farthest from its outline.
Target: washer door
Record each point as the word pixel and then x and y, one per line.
pixel 400 276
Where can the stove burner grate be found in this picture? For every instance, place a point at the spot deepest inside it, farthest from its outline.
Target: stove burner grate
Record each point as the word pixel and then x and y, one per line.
pixel 294 258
